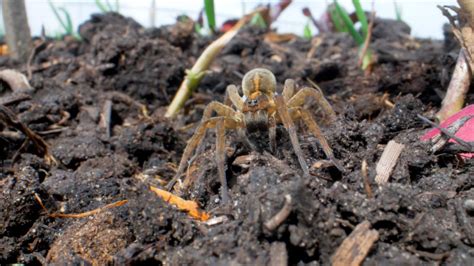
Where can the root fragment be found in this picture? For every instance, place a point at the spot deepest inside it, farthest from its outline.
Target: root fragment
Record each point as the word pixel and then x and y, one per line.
pixel 281 216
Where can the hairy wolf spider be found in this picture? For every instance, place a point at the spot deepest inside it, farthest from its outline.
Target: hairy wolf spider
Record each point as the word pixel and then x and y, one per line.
pixel 260 109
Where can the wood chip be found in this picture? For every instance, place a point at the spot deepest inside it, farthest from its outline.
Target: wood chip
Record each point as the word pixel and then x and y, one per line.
pixel 387 161
pixel 356 246
pixel 278 254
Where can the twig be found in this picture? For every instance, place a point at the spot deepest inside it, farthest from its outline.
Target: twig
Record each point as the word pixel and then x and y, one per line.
pixel 122 97
pixel 307 13
pixel 14 98
pixel 447 132
pixel 281 216
pixel 35 51
pixel 356 246
pixel 387 161
pixel 78 215
pixel 428 255
pixel 365 176
pixel 7 116
pixel 196 73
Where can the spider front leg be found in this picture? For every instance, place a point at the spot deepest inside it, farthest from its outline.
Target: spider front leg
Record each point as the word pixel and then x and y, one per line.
pixel 305 115
pixel 290 127
pixel 300 97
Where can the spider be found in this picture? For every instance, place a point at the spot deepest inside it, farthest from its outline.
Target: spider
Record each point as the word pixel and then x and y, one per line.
pixel 260 109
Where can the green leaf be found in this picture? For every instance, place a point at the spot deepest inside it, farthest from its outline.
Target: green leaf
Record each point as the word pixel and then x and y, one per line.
pixel 110 7
pixel 101 6
pixel 361 17
pixel 69 27
pixel 336 19
pixel 211 16
pixel 257 20
pixel 57 15
pixel 307 34
pixel 398 11
pixel 349 25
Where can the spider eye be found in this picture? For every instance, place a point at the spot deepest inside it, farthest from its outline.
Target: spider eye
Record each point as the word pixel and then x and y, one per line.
pixel 252 102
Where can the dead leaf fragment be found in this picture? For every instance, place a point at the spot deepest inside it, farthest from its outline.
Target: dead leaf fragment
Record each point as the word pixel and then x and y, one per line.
pixel 189 206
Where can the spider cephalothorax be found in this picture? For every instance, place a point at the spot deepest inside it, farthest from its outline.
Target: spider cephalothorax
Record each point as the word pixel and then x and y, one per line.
pixel 260 109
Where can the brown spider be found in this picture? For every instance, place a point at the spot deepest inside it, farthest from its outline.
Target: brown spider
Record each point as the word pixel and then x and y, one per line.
pixel 260 109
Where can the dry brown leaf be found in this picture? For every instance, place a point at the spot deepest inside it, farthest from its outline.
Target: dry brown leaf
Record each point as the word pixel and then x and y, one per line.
pixel 189 206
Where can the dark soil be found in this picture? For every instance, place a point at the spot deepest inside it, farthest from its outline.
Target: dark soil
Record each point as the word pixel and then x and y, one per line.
pixel 419 214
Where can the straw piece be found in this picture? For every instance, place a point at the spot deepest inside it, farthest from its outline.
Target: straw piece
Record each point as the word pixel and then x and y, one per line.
pixel 356 246
pixel 387 161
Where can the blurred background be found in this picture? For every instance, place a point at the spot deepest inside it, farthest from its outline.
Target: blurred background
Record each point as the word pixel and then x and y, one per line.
pixel 423 16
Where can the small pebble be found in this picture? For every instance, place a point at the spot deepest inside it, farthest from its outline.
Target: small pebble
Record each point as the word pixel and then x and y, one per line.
pixel 469 206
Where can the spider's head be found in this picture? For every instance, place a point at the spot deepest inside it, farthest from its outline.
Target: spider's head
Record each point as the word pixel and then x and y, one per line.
pixel 258 86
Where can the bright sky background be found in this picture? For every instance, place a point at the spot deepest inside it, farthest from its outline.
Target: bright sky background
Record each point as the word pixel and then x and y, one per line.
pixel 423 16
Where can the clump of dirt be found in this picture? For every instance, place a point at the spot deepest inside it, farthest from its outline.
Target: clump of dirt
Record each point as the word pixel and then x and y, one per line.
pixel 88 105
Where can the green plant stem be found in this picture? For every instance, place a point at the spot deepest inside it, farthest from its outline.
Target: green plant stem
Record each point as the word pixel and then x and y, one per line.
pixel 307 31
pixel 194 76
pixel 361 17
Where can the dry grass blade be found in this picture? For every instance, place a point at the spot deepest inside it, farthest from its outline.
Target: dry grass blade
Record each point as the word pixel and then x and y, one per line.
pixel 387 161
pixel 365 176
pixel 356 246
pixel 189 206
pixel 82 214
pixel 457 88
pixel 463 29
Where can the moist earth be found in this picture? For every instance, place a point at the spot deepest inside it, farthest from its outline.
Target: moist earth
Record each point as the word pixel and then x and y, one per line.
pixel 419 215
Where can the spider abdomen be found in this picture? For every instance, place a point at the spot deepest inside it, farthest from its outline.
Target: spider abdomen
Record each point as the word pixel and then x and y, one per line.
pixel 256 121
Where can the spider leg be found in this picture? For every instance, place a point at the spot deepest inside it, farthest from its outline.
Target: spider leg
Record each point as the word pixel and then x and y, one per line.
pixel 299 99
pixel 220 158
pixel 234 97
pixel 305 115
pixel 220 108
pixel 290 127
pixel 196 139
pixel 272 133
pixel 288 89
